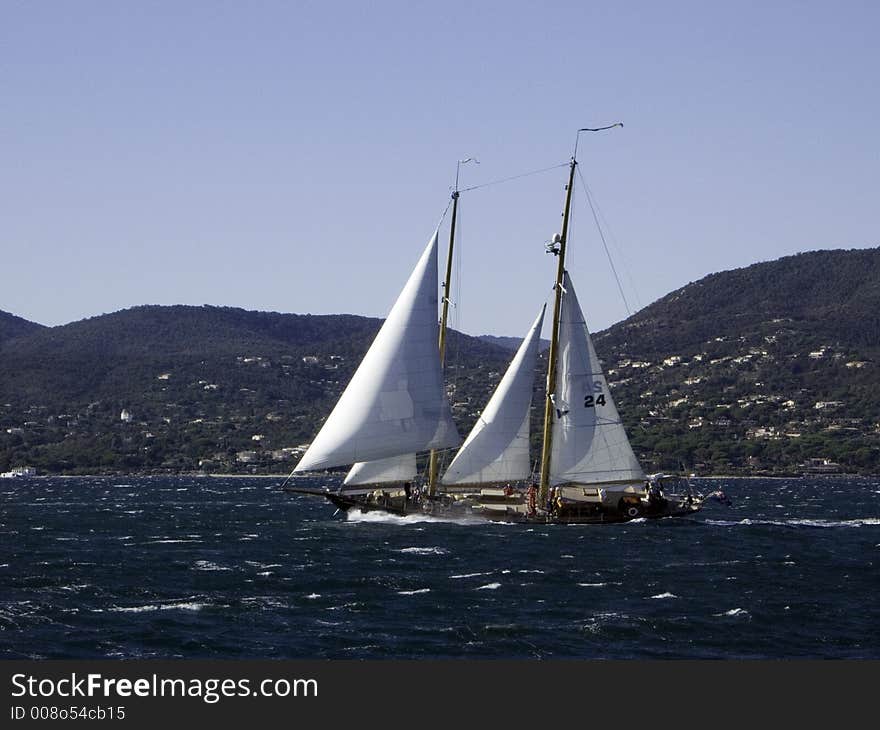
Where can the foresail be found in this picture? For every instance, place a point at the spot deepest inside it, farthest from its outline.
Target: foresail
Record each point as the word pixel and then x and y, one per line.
pixel 396 401
pixel 589 442
pixel 497 448
pixel 393 469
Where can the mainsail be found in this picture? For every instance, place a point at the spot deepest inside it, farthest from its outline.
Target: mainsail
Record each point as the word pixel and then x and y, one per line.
pixel 497 448
pixel 393 469
pixel 589 443
pixel 396 402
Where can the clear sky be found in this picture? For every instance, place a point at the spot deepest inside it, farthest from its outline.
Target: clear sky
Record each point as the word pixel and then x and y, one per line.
pixel 296 156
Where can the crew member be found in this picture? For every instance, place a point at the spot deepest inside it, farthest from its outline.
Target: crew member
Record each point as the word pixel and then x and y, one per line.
pixel 532 499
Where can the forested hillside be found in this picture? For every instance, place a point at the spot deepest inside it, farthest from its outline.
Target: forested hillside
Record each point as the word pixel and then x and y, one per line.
pixel 757 370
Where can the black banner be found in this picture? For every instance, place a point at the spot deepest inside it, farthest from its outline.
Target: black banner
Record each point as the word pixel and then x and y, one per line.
pixel 141 693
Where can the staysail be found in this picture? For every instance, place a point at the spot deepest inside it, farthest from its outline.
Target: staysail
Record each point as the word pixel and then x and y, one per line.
pixel 382 471
pixel 396 401
pixel 497 448
pixel 589 443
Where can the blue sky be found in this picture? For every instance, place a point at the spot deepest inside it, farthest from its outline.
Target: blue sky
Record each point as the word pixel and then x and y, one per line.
pixel 296 156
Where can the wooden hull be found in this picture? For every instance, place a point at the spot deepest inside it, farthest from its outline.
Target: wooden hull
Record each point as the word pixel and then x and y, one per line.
pixel 512 509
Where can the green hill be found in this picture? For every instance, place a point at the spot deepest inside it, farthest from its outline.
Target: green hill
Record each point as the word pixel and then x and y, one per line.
pixel 757 369
pixel 199 383
pixel 749 371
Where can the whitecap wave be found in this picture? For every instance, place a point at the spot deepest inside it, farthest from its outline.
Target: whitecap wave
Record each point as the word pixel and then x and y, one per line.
pixel 667 594
pixel 733 612
pixel 424 550
pixel 857 522
pixel 489 587
pixel 208 565
pixel 187 605
pixel 413 593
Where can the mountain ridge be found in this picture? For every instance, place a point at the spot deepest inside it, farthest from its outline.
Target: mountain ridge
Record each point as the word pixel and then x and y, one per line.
pixel 754 370
pixel 12 326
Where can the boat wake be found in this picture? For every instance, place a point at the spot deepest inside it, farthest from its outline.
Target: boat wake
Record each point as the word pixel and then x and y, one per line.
pixel 356 516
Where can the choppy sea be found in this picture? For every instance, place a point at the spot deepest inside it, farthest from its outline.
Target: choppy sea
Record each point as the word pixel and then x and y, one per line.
pixel 234 568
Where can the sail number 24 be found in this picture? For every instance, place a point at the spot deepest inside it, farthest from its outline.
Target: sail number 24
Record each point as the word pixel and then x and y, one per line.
pixel 596 398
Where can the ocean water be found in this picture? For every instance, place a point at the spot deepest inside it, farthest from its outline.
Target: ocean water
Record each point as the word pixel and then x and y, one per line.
pixel 234 568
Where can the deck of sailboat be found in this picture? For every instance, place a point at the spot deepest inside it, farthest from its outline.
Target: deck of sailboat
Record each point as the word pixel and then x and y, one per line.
pixel 511 508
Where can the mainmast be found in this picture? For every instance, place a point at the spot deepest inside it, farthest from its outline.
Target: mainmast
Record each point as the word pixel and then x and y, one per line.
pixel 434 462
pixel 557 247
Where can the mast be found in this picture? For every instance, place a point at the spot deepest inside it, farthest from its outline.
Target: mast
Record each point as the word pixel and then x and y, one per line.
pixel 434 462
pixel 557 247
pixel 559 252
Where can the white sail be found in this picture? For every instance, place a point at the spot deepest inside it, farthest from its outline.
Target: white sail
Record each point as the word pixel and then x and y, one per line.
pixel 589 443
pixel 396 401
pixel 382 471
pixel 497 448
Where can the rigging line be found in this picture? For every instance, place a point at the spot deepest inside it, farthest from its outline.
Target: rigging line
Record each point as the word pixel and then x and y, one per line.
pixel 514 177
pixel 604 243
pixel 620 252
pixel 443 217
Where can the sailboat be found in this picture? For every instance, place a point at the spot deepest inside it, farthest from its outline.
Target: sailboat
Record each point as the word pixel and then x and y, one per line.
pixel 395 407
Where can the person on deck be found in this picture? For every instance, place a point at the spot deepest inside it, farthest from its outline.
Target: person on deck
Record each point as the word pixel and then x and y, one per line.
pixel 532 499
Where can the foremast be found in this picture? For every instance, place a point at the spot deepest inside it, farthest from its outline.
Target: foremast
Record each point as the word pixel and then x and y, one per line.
pixel 434 460
pixel 557 247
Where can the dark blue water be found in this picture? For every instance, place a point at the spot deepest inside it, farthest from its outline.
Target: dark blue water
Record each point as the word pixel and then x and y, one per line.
pixel 233 568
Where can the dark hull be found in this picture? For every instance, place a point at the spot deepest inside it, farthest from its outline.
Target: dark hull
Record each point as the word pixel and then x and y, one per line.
pixel 513 510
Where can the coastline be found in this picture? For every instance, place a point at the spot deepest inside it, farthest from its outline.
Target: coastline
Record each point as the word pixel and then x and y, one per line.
pixel 199 475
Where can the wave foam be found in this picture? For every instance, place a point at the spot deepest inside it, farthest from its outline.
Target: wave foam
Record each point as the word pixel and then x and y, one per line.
pixel 733 612
pixel 356 516
pixel 424 550
pixel 208 565
pixel 181 606
pixel 857 522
